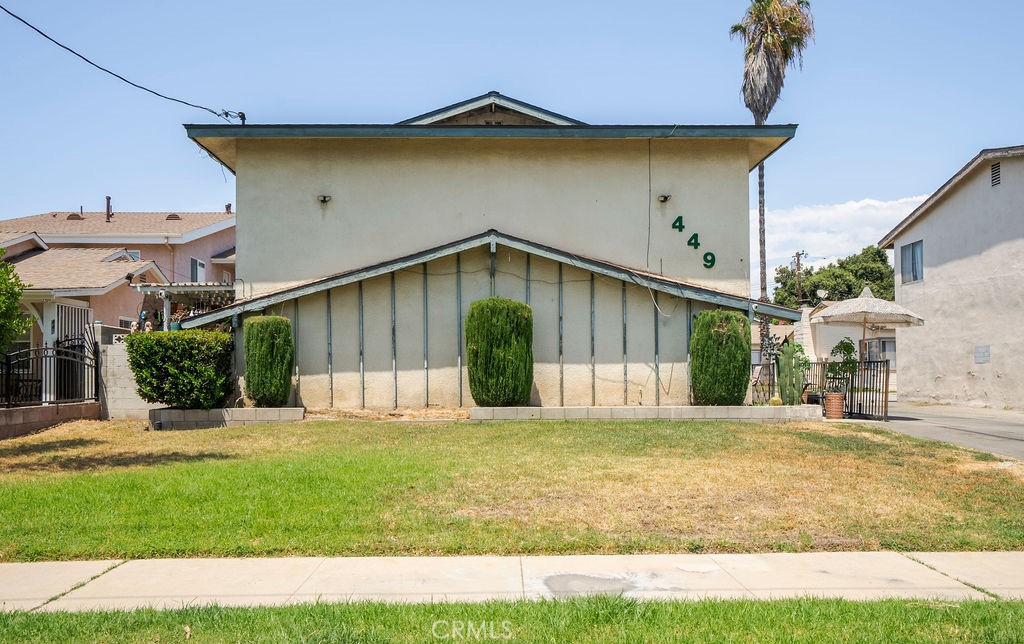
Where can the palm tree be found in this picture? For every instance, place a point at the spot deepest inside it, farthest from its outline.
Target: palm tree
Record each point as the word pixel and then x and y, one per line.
pixel 774 33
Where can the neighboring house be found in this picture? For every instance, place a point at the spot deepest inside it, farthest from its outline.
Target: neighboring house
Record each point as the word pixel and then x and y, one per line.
pixel 69 288
pixel 185 246
pixel 375 239
pixel 779 332
pixel 960 265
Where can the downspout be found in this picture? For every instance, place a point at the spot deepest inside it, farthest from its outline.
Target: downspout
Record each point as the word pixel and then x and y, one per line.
pixel 170 251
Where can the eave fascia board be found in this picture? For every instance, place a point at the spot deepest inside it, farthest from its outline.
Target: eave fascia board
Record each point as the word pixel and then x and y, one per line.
pixel 260 303
pixel 327 131
pixel 24 238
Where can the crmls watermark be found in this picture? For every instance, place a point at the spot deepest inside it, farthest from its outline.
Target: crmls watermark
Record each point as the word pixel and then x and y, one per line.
pixel 457 629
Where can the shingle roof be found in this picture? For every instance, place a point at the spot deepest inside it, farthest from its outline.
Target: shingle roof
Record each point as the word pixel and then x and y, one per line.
pixel 74 268
pixel 122 223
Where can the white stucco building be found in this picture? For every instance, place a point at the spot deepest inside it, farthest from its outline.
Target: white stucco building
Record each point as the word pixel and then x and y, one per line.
pixel 375 239
pixel 960 265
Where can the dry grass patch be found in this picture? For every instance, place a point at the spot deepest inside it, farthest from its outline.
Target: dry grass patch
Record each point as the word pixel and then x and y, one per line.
pixel 807 486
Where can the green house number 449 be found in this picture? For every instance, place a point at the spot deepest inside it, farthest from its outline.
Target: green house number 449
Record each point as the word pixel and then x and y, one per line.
pixel 694 242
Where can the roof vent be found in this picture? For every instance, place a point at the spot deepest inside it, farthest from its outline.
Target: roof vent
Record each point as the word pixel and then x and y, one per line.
pixel 75 217
pixel 996 174
pixel 173 217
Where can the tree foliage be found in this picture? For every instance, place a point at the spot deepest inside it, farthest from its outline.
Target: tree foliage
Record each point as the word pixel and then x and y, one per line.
pixel 499 352
pixel 12 322
pixel 842 280
pixel 775 34
pixel 720 358
pixel 183 369
pixel 269 351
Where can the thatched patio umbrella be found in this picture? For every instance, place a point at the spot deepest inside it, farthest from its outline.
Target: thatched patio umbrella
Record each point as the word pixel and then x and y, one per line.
pixel 867 309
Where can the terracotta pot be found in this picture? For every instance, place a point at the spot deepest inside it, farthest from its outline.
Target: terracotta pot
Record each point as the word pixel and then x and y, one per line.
pixel 834 404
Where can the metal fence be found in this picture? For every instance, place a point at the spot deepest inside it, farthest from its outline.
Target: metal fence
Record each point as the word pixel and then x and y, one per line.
pixel 866 389
pixel 63 374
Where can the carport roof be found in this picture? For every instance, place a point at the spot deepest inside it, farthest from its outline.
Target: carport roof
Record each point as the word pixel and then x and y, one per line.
pixel 659 283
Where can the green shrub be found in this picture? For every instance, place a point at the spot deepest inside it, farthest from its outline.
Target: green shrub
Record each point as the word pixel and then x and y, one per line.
pixel 499 352
pixel 720 358
pixel 269 351
pixel 183 369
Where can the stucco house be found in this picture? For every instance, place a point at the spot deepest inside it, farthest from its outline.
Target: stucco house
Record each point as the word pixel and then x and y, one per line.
pixel 70 288
pixel 375 239
pixel 182 247
pixel 960 265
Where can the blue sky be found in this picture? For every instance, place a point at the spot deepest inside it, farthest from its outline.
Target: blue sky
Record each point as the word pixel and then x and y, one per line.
pixel 893 98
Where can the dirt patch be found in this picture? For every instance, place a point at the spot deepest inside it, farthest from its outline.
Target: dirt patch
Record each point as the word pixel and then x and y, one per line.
pixel 429 413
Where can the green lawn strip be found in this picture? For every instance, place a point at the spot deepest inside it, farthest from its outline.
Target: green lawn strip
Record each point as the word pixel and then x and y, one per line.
pixel 350 488
pixel 592 619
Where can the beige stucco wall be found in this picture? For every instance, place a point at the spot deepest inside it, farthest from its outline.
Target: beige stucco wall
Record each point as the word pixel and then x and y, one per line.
pixel 571 382
pixel 972 294
pixel 390 198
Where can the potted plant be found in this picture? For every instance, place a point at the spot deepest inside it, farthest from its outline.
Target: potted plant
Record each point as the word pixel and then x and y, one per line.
pixel 838 376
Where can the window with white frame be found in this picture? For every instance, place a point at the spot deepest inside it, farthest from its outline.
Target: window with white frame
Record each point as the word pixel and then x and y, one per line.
pixel 125 323
pixel 197 270
pixel 135 254
pixel 912 262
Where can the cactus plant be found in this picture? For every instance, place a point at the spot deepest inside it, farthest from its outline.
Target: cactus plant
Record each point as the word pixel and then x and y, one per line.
pixel 790 364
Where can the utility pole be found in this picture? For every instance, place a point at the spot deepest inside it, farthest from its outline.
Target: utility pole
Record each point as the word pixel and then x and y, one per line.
pixel 799 291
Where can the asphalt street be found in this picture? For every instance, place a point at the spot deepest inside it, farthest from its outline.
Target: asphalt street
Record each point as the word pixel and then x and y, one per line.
pixel 991 430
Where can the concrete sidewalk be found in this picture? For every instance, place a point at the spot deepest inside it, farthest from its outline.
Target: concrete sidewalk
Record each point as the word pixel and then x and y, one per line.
pixel 176 583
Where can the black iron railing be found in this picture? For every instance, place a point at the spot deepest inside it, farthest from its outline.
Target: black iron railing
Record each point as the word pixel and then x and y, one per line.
pixel 63 374
pixel 866 389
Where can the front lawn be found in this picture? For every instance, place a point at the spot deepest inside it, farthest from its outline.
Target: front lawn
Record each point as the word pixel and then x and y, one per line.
pixel 594 619
pixel 90 490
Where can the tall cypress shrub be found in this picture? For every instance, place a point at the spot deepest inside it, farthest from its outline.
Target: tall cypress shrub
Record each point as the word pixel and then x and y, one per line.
pixel 269 351
pixel 499 352
pixel 720 358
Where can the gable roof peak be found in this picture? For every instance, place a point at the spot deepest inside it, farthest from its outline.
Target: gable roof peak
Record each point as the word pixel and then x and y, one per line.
pixel 491 99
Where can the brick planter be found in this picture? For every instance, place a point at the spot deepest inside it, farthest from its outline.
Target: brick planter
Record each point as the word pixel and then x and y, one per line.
pixel 167 418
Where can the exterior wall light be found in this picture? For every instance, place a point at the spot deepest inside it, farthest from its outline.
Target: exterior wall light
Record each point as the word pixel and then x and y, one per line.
pixel 664 198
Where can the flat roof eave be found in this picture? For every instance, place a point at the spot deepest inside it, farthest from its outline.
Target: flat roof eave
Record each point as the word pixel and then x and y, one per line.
pixel 219 139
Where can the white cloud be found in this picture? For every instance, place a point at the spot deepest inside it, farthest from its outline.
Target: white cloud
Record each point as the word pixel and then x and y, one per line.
pixel 827 232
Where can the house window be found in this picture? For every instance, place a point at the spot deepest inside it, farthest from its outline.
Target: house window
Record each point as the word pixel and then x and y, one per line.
pixel 881 349
pixel 135 254
pixel 226 277
pixel 912 262
pixel 197 271
pixel 125 323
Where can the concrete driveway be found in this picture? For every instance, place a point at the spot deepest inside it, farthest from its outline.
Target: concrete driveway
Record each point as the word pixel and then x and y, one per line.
pixel 989 430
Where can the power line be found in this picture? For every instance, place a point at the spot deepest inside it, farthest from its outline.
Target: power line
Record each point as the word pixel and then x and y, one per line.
pixel 224 114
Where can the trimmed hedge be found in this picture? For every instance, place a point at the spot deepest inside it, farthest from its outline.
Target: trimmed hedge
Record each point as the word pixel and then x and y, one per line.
pixel 183 369
pixel 720 358
pixel 499 352
pixel 269 351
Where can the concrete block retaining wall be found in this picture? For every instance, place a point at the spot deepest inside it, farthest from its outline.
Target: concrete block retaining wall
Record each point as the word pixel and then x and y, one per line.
pixel 166 418
pixel 18 421
pixel 119 396
pixel 754 414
